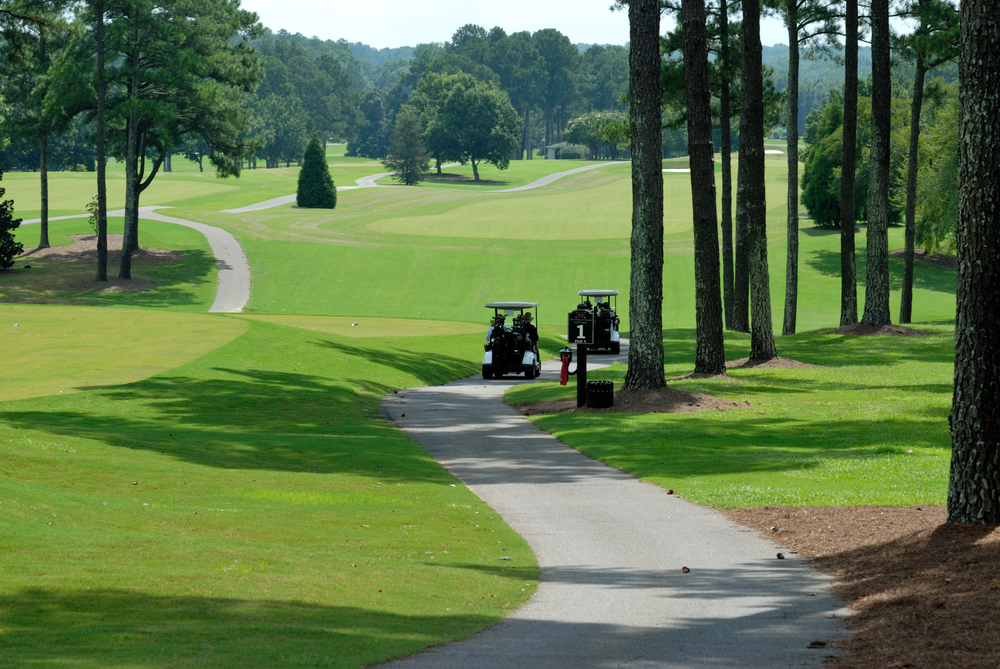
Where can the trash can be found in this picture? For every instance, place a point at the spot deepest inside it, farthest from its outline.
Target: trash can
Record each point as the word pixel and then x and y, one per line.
pixel 600 394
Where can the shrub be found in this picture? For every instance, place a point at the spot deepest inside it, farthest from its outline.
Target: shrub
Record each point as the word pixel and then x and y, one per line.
pixel 8 247
pixel 316 188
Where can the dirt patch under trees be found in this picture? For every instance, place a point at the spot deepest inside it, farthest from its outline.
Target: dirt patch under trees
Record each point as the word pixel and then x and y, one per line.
pixel 84 250
pixel 870 330
pixel 660 400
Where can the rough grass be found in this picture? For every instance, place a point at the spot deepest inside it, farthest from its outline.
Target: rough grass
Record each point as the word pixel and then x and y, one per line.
pixel 249 508
pixel 868 428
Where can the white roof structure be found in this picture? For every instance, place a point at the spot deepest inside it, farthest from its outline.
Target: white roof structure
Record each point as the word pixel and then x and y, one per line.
pixel 598 293
pixel 511 305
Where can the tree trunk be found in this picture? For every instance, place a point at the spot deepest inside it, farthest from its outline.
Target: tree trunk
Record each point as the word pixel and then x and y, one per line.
pixel 710 353
pixel 129 242
pixel 906 301
pixel 792 154
pixel 475 171
pixel 645 355
pixel 43 178
pixel 727 167
pixel 751 205
pixel 848 265
pixel 166 164
pixel 527 130
pixel 102 190
pixel 877 249
pixel 974 485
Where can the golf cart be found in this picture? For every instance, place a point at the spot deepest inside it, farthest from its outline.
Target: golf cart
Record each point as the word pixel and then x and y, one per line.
pixel 512 341
pixel 605 319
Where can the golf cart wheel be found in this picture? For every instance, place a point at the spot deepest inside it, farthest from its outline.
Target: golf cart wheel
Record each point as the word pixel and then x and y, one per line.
pixel 487 373
pixel 530 372
pixel 616 348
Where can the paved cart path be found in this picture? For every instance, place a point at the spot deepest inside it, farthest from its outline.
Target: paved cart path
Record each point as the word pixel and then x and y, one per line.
pixel 611 551
pixel 233 290
pixel 369 182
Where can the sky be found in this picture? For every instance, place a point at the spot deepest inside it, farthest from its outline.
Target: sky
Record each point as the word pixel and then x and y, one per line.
pixel 394 23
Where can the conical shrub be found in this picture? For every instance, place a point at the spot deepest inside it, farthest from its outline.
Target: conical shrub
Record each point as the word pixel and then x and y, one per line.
pixel 316 188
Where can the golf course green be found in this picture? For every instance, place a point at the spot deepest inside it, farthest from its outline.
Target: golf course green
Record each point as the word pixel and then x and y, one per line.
pixel 187 489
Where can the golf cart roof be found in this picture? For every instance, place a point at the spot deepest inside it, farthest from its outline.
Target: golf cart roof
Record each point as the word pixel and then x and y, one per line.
pixel 511 305
pixel 598 293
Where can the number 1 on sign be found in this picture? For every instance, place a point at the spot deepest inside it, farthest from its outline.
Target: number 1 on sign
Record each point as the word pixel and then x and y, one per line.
pixel 580 335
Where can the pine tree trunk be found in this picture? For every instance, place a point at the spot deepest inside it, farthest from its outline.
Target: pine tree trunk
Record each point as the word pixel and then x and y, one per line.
pixel 102 190
pixel 848 264
pixel 974 485
pixel 792 154
pixel 877 248
pixel 527 130
pixel 43 178
pixel 741 263
pixel 727 168
pixel 751 205
pixel 906 300
pixel 645 355
pixel 166 164
pixel 129 243
pixel 710 353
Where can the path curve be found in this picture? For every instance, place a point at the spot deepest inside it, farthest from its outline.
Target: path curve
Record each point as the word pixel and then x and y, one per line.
pixel 233 290
pixel 611 549
pixel 369 182
pixel 546 180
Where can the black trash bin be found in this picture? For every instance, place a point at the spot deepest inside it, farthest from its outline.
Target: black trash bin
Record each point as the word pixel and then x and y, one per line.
pixel 600 394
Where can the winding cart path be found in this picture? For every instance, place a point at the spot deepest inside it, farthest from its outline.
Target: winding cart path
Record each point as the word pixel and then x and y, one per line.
pixel 611 550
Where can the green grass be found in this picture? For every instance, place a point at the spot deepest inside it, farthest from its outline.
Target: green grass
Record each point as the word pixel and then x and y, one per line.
pixel 225 491
pixel 251 507
pixel 188 284
pixel 439 254
pixel 869 427
pixel 54 350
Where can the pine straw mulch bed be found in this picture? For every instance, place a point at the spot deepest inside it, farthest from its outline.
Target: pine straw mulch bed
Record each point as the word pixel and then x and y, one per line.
pixel 939 259
pixel 926 593
pixel 870 330
pixel 666 400
pixel 84 250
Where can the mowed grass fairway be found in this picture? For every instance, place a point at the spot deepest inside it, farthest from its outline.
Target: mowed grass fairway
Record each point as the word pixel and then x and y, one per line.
pixel 250 507
pixel 870 426
pixel 435 253
pixel 224 491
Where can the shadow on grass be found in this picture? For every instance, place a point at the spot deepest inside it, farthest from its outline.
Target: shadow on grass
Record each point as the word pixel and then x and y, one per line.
pixel 431 368
pixel 823 350
pixel 116 627
pixel 700 445
pixel 50 628
pixel 926 277
pixel 177 283
pixel 250 419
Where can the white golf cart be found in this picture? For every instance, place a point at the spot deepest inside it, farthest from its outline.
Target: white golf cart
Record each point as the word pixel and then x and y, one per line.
pixel 605 319
pixel 512 341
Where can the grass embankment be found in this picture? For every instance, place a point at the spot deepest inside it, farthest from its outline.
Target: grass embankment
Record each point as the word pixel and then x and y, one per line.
pixel 251 507
pixel 869 427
